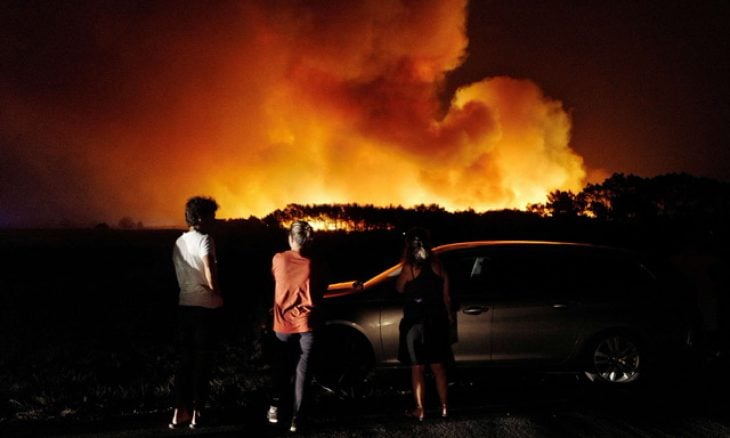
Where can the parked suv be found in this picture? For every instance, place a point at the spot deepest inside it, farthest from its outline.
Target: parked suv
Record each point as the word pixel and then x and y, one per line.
pixel 593 309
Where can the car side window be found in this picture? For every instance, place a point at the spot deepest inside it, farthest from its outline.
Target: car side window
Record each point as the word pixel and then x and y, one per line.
pixel 610 277
pixel 523 273
pixel 547 272
pixel 531 274
pixel 494 273
pixel 467 272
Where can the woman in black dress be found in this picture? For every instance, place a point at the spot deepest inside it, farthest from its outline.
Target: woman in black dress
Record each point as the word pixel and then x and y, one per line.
pixel 424 329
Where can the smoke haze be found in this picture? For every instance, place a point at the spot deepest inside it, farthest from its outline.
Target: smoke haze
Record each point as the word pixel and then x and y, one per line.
pixel 115 109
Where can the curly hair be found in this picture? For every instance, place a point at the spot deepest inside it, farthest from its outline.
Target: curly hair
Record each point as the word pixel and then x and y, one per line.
pixel 198 208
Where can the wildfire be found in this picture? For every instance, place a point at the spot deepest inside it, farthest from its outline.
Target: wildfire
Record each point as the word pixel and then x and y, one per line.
pixel 325 223
pixel 263 104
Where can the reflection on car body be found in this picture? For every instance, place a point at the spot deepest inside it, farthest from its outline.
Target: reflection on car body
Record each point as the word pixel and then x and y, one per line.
pixel 591 308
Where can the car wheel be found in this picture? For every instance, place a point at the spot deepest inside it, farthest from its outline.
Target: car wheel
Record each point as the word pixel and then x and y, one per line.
pixel 615 359
pixel 344 365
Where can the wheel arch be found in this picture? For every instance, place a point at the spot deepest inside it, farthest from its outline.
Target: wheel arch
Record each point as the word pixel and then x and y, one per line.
pixel 337 330
pixel 589 345
pixel 344 361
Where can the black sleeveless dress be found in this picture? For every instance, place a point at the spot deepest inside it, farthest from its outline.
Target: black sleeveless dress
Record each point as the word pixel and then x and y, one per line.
pixel 424 329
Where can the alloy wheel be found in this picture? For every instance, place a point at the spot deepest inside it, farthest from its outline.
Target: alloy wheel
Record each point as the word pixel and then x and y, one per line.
pixel 615 359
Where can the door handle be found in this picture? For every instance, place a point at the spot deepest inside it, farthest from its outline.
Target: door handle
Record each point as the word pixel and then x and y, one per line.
pixel 475 310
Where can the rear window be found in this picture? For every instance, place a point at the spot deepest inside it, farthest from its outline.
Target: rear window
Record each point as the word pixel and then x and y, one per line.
pixel 610 277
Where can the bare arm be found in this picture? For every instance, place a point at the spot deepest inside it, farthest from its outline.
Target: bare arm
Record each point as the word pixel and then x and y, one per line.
pixel 447 295
pixel 404 277
pixel 211 274
pixel 438 268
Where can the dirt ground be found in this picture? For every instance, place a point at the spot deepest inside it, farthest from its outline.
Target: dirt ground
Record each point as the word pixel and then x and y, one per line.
pixel 499 405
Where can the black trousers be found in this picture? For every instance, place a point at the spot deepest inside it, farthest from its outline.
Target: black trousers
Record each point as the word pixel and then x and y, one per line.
pixel 196 342
pixel 292 364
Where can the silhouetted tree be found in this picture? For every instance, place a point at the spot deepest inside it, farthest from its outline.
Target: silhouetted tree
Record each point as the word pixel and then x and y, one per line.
pixel 126 223
pixel 563 204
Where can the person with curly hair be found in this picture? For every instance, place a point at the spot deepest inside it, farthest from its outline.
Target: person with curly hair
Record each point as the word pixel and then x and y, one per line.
pixel 200 302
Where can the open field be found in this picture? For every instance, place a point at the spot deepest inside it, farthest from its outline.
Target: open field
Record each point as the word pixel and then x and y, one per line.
pixel 88 319
pixel 87 316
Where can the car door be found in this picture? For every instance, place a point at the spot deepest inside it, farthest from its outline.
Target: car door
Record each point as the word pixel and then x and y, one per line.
pixel 535 314
pixel 391 313
pixel 471 306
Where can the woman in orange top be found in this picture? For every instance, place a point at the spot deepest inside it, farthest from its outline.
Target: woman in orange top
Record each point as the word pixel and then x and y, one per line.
pixel 295 299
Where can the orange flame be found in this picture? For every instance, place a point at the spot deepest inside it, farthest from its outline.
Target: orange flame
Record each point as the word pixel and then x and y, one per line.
pixel 272 103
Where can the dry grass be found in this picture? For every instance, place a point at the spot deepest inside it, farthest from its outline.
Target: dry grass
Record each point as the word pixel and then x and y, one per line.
pixel 81 382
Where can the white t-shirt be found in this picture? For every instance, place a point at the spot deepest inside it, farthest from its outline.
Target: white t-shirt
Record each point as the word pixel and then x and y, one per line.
pixel 187 256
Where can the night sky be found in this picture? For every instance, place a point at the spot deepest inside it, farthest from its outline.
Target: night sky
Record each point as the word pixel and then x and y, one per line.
pixel 113 109
pixel 646 82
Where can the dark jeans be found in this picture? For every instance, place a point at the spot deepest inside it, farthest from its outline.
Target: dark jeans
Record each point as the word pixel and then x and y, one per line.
pixel 196 343
pixel 293 361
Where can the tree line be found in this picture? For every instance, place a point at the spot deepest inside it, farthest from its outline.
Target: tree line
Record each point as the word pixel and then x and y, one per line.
pixel 620 198
pixel 629 198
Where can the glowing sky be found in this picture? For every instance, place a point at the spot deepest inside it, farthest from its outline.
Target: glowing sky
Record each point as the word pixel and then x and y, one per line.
pixel 113 109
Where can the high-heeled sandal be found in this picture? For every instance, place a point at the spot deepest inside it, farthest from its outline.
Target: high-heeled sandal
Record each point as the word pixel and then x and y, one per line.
pixel 176 422
pixel 444 411
pixel 195 420
pixel 418 413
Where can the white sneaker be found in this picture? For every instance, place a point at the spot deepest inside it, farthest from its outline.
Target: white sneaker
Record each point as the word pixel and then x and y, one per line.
pixel 272 415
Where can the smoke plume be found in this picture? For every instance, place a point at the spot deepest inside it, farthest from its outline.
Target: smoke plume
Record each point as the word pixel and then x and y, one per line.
pixel 126 109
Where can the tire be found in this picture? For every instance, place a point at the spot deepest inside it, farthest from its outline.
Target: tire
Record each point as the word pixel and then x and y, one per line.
pixel 344 364
pixel 614 358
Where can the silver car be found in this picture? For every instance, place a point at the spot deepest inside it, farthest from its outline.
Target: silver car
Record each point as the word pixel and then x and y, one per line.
pixel 554 305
